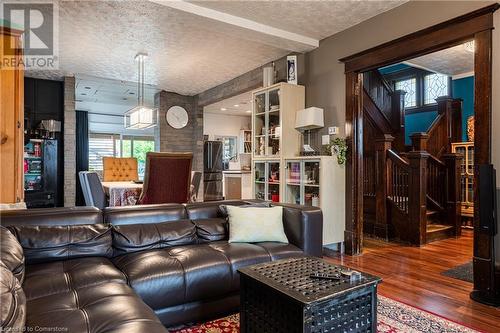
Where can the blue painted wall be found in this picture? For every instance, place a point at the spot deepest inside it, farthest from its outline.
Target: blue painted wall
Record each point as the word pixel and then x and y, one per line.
pixel 464 89
pixel 418 122
pixel 393 68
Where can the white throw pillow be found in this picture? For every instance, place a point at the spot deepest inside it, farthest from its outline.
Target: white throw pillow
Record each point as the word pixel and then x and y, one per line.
pixel 256 224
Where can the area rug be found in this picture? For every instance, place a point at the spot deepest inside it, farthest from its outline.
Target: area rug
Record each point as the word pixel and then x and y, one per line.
pixel 462 272
pixel 393 317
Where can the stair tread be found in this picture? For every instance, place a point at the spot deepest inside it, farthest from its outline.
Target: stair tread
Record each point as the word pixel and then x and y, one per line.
pixel 432 212
pixel 438 227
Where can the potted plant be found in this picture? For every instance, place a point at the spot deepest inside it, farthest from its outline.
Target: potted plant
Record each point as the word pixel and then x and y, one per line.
pixel 338 147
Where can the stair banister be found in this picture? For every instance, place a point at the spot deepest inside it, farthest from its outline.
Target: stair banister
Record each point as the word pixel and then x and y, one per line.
pixel 382 145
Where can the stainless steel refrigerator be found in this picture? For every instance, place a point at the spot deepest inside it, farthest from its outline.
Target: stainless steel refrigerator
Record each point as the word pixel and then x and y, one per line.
pixel 212 171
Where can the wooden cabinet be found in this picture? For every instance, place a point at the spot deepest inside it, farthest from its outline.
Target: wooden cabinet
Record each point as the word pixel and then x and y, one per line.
pixel 11 118
pixel 466 149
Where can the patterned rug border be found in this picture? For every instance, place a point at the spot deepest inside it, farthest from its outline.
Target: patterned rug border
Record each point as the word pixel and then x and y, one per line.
pixel 393 316
pixel 430 312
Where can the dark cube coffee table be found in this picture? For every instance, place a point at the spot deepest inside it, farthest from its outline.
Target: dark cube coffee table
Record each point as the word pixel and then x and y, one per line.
pixel 281 296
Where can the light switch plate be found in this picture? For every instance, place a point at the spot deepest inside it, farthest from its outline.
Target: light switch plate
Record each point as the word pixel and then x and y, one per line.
pixel 325 139
pixel 333 130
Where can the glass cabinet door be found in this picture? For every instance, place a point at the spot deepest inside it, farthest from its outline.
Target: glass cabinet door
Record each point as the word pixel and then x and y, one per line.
pixel 293 182
pixel 311 183
pixel 260 128
pixel 273 189
pixel 260 180
pixel 470 160
pixel 273 123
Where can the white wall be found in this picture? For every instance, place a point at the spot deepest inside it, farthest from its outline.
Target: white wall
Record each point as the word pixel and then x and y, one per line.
pixel 223 124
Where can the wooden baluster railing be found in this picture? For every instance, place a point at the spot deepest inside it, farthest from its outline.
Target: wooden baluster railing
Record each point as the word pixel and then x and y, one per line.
pixel 436 182
pixel 398 189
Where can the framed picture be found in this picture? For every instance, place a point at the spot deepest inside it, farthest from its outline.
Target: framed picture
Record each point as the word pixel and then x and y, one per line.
pixel 291 66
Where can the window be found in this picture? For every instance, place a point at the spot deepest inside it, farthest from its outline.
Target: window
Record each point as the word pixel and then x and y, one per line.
pixel 410 87
pixel 435 85
pixel 115 145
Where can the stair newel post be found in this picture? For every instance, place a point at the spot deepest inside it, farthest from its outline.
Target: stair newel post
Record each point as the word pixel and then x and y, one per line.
pixel 453 205
pixel 417 197
pixel 419 141
pixel 382 145
pixel 445 107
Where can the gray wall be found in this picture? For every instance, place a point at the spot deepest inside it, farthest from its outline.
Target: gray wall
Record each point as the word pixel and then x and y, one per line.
pixel 69 142
pixel 185 139
pixel 325 79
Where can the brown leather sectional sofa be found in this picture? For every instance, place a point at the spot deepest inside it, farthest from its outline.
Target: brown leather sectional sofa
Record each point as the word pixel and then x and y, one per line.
pixel 132 269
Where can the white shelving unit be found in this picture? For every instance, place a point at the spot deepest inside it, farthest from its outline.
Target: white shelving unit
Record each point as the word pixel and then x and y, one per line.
pixel 318 181
pixel 279 174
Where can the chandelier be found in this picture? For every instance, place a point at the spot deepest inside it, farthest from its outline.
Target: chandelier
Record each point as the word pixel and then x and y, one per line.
pixel 141 116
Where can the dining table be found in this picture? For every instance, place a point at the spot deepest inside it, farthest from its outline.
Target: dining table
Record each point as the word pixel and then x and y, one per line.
pixel 122 193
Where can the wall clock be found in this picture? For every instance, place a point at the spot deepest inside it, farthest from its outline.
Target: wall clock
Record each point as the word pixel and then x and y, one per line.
pixel 177 117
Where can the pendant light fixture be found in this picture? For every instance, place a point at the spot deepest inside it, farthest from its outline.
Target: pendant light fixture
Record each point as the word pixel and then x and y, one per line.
pixel 141 116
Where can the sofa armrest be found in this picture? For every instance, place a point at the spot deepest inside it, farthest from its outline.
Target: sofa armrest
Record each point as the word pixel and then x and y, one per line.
pixel 304 227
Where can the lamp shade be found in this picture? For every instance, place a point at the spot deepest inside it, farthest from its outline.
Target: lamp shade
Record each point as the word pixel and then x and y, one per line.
pixel 309 118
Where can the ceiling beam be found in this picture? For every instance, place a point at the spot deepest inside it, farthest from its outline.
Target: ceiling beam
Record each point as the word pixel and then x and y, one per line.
pixel 301 42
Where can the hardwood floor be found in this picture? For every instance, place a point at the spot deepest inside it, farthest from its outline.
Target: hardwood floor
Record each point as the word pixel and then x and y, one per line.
pixel 413 276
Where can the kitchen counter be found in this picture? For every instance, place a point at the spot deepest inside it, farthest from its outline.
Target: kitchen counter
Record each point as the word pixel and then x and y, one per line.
pixel 237 184
pixel 236 171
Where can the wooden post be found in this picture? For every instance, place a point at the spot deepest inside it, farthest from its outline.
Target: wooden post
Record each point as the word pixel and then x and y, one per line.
pixel 453 206
pixel 398 119
pixel 419 141
pixel 452 111
pixel 382 145
pixel 417 197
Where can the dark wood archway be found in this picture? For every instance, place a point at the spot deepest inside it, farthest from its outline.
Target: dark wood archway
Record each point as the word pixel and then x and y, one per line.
pixel 476 25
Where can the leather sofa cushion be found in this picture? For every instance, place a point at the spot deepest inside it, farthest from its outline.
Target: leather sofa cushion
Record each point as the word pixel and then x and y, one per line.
pixel 279 251
pixel 139 237
pixel 210 230
pixel 143 214
pixel 183 274
pixel 11 253
pixel 177 275
pixel 109 307
pixel 62 276
pixel 50 243
pixel 51 216
pixel 12 302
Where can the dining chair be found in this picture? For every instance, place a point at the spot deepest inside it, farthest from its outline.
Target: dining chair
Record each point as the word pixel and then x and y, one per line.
pixel 167 178
pixel 92 189
pixel 119 169
pixel 195 186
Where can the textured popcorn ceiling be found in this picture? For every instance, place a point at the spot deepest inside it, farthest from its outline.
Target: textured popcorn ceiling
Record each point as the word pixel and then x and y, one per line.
pixel 452 61
pixel 316 19
pixel 188 53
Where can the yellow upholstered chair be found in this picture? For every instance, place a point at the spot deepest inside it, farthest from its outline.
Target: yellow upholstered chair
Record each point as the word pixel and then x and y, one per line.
pixel 119 169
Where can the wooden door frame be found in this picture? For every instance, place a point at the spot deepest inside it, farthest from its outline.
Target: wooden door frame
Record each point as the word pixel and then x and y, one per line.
pixel 477 25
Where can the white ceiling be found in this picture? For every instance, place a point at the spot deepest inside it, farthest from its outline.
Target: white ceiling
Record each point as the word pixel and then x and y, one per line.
pixel 452 61
pixel 316 19
pixel 190 52
pixel 240 105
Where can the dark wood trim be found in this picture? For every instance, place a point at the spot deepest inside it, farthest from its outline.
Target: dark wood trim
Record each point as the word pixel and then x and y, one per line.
pixel 432 39
pixel 353 234
pixel 483 243
pixel 475 25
